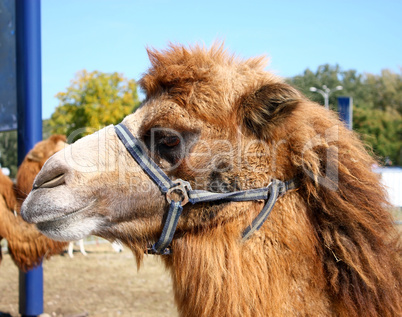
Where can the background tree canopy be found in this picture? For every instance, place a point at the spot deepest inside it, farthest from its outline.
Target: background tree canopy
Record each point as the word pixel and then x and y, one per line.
pixel 9 151
pixel 96 99
pixel 92 101
pixel 377 104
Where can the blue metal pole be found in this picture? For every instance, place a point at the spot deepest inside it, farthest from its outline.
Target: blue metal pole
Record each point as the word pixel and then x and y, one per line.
pixel 31 291
pixel 29 110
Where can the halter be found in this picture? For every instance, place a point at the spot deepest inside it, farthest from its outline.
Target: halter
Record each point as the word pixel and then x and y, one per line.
pixel 167 186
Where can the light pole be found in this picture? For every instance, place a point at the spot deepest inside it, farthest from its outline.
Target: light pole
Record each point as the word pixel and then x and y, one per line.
pixel 325 92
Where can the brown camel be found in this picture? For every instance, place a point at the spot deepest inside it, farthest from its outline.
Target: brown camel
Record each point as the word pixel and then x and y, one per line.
pixel 328 248
pixel 27 246
pixel 8 202
pixel 33 162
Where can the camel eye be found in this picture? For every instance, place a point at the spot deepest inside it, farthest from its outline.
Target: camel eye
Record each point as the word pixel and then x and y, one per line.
pixel 171 141
pixel 168 144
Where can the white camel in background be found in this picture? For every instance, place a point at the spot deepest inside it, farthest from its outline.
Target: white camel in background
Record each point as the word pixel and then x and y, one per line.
pixel 71 248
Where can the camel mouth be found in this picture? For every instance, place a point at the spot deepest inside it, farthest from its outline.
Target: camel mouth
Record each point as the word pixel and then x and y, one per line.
pixel 56 222
pixel 70 226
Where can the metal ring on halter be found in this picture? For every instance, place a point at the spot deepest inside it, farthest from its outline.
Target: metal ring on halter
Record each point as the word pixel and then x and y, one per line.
pixel 182 187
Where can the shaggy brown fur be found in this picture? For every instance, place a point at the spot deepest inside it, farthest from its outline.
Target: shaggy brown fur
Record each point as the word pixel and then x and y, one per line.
pixel 8 202
pixel 27 246
pixel 7 192
pixel 328 249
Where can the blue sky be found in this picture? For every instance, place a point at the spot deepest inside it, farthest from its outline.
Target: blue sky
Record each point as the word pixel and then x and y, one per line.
pixel 111 35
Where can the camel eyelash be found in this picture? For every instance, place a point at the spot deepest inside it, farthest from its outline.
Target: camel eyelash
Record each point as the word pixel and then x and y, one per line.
pixel 170 141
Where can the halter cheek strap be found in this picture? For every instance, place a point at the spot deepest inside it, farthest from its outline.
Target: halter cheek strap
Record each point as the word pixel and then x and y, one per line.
pixel 167 186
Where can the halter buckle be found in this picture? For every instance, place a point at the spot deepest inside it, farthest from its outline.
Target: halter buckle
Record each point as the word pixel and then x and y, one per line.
pixel 182 187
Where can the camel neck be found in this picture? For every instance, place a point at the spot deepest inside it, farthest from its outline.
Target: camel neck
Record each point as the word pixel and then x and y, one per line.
pixel 216 274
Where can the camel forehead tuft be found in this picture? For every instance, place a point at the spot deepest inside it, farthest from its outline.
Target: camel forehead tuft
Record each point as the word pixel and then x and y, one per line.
pixel 201 57
pixel 204 80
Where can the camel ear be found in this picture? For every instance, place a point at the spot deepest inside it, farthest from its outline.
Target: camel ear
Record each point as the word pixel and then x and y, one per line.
pixel 36 156
pixel 267 107
pixel 56 138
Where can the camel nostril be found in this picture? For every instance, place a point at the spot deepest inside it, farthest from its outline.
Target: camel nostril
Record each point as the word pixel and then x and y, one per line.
pixel 56 181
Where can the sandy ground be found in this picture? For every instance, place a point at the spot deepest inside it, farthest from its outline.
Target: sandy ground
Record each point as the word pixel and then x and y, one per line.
pixel 104 283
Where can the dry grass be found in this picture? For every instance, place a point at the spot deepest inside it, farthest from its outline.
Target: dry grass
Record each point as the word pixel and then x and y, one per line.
pixel 104 283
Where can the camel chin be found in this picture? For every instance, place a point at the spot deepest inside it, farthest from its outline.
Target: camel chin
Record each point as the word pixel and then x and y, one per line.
pixel 58 220
pixel 70 228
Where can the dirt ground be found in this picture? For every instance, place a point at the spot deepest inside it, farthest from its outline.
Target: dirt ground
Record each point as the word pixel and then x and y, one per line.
pixel 103 283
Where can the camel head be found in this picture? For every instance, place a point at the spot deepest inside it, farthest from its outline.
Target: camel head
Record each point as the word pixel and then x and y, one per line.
pixel 34 161
pixel 46 148
pixel 209 118
pixel 217 122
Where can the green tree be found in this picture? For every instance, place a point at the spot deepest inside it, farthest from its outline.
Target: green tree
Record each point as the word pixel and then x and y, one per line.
pixel 377 104
pixel 382 130
pixel 46 129
pixel 9 151
pixel 325 75
pixel 386 90
pixel 93 100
